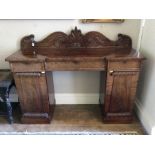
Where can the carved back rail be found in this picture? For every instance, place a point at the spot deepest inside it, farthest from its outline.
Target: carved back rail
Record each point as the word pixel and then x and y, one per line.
pixel 74 40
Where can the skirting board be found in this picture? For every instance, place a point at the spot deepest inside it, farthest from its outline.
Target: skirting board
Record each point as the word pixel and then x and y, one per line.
pixel 144 117
pixel 69 98
pixel 77 98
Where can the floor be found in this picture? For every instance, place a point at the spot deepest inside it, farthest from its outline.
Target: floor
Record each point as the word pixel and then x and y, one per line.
pixel 73 119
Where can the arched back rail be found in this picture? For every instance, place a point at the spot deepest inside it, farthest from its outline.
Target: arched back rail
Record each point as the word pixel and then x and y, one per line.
pixel 75 40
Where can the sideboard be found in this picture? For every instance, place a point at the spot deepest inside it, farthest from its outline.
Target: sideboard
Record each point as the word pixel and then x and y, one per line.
pixel 118 63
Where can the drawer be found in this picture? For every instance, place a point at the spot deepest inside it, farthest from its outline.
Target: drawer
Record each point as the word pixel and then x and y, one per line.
pixel 75 65
pixel 27 67
pixel 124 65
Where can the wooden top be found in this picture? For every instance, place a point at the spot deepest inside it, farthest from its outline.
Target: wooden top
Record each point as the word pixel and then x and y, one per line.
pixel 59 46
pixel 19 57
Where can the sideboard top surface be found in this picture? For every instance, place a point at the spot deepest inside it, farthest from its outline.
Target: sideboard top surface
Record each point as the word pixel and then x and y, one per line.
pixel 19 57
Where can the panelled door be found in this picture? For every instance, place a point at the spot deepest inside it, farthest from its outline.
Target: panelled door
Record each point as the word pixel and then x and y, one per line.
pixel 120 92
pixel 33 95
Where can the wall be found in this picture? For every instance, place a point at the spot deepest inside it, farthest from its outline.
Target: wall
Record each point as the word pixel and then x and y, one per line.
pixel 70 87
pixel 146 88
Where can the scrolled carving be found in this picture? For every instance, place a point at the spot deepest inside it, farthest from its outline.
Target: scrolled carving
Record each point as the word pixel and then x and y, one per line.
pixel 55 40
pixel 26 44
pixel 124 40
pixel 60 40
pixel 97 40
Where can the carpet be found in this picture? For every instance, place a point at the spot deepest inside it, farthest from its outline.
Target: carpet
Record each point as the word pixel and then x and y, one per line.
pixel 70 133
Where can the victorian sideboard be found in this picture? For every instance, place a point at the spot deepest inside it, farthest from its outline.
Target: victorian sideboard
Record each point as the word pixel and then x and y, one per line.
pixel 119 66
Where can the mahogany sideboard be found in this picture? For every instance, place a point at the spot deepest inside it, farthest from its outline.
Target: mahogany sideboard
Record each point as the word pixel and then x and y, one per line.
pixel 73 52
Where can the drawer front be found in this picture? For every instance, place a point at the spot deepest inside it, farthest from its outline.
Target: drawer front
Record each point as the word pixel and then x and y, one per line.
pixel 27 67
pixel 124 65
pixel 75 65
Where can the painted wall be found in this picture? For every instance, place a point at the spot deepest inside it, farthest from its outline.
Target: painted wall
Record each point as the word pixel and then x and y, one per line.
pixel 146 88
pixel 70 87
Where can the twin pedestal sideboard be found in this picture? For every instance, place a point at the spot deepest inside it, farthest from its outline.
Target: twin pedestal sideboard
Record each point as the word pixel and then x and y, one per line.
pixel 73 52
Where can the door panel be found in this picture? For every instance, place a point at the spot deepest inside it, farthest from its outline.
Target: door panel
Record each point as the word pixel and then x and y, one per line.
pixel 121 96
pixel 33 94
pixel 120 92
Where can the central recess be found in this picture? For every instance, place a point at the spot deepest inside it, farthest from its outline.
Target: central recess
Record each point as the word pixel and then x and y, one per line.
pixel 75 87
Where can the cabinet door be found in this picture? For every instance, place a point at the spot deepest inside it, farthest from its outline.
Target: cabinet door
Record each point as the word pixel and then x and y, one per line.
pixel 120 94
pixel 33 96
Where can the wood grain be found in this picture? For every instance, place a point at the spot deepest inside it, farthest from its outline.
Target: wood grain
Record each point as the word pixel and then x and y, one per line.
pixel 74 40
pixel 120 92
pixel 33 96
pixel 76 51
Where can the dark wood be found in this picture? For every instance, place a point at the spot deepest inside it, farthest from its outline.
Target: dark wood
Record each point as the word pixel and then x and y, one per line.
pixel 118 62
pixel 75 40
pixel 33 96
pixel 120 90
